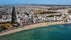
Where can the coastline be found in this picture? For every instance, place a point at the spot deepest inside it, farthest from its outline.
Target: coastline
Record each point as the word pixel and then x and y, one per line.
pixel 32 26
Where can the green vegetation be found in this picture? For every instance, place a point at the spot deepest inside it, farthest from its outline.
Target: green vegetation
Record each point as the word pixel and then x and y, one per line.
pixel 54 32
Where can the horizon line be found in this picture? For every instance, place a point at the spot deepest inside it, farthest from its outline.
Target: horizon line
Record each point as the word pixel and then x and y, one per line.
pixel 36 4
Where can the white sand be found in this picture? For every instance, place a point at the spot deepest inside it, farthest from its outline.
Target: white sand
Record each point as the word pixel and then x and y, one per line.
pixel 32 26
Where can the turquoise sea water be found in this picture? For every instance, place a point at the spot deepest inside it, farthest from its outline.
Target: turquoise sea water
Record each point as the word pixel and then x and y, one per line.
pixel 53 32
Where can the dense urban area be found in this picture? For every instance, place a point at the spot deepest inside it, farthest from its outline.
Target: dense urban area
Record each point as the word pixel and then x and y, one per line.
pixel 17 16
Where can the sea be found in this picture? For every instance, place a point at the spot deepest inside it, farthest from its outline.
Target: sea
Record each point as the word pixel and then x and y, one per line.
pixel 52 32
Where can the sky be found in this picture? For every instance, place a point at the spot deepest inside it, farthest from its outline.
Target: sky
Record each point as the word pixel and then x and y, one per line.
pixel 47 2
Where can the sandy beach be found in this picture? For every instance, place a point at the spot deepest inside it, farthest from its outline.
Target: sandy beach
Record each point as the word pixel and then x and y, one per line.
pixel 32 26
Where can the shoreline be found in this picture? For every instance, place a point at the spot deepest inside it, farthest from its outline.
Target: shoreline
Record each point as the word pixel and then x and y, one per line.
pixel 32 26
